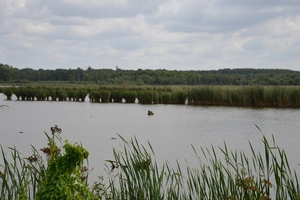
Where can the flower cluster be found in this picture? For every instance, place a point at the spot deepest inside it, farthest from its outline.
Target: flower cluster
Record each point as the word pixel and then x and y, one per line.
pixel 55 129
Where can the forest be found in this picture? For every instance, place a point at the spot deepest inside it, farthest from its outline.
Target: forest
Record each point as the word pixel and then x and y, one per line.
pixel 249 76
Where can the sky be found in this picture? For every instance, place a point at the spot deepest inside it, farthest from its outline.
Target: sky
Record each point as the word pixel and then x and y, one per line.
pixel 150 34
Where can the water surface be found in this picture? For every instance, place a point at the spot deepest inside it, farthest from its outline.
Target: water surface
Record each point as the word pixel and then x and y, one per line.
pixel 171 130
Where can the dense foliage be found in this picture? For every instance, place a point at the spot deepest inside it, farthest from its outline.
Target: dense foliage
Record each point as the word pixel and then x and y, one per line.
pixel 153 77
pixel 64 176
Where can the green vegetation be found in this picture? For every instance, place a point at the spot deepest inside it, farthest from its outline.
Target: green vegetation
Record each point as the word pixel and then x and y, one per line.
pixel 233 175
pixel 64 177
pixel 10 75
pixel 60 176
pixel 263 96
pixel 221 174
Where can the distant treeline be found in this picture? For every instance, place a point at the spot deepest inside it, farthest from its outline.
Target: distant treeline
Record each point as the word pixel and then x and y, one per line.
pixel 9 74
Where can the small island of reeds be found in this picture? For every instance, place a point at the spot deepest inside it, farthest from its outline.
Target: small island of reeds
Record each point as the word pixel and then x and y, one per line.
pixel 262 96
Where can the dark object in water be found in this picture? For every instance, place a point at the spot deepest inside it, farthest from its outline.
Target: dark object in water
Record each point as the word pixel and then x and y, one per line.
pixel 150 112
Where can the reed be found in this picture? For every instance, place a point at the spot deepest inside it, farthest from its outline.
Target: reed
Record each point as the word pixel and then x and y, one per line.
pixel 29 93
pixel 16 177
pixel 22 92
pixel 179 96
pixel 71 93
pixel 116 95
pixel 105 95
pixel 129 96
pixel 146 96
pixel 262 96
pixel 60 94
pixel 80 94
pixel 139 176
pixel 8 92
pixel 221 174
pixel 165 97
pixel 41 93
pixel 94 96
pixel 203 95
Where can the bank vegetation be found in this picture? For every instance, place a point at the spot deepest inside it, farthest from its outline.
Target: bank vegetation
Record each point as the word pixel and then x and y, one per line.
pixel 59 171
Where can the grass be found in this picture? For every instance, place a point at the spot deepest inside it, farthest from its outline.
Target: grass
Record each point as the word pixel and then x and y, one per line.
pixel 220 174
pixel 262 96
pixel 235 175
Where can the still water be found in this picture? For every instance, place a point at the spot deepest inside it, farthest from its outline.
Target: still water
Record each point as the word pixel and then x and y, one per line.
pixel 171 130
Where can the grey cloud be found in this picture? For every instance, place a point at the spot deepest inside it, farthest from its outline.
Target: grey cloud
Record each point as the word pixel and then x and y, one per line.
pixel 102 10
pixel 150 33
pixel 254 45
pixel 227 16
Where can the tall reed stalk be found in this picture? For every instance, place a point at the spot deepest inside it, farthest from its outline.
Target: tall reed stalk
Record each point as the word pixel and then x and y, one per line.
pixel 17 179
pixel 221 174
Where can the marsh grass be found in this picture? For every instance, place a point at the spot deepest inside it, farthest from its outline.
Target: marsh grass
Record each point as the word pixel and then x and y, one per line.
pixel 262 96
pixel 18 178
pixel 8 92
pixel 233 175
pixel 220 174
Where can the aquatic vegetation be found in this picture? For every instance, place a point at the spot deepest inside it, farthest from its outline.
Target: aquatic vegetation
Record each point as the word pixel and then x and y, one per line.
pixel 263 96
pixel 220 174
pixel 8 92
pixel 233 175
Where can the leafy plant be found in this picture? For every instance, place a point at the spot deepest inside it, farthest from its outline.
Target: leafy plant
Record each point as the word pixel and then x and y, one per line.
pixel 64 178
pixel 61 176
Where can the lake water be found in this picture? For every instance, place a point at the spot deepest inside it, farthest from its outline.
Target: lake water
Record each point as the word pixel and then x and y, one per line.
pixel 171 130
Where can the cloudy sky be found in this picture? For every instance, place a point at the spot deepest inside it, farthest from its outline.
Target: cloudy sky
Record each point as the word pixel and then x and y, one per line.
pixel 150 34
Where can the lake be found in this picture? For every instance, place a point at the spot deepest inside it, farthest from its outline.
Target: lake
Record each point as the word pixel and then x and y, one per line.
pixel 171 130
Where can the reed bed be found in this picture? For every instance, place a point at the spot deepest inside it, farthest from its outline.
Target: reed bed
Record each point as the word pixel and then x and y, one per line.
pixel 261 96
